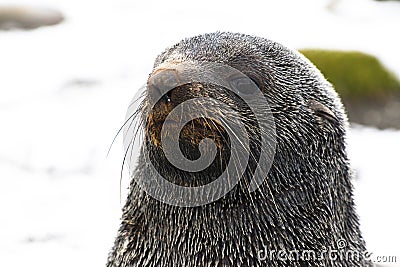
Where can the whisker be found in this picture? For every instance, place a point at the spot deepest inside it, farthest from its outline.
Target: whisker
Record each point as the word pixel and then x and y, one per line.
pixel 137 125
pixel 122 169
pixel 134 114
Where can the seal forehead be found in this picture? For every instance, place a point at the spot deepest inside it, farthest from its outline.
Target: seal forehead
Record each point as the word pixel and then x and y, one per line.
pixel 217 47
pixel 230 48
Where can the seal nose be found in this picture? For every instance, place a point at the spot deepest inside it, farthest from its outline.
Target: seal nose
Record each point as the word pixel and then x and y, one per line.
pixel 161 84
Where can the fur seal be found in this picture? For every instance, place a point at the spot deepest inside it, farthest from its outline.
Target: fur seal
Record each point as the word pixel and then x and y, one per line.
pixel 303 214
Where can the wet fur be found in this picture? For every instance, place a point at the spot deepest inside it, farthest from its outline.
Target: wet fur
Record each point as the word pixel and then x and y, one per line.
pixel 306 201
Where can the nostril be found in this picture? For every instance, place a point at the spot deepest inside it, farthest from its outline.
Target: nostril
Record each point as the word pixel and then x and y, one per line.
pixel 153 92
pixel 161 84
pixel 168 95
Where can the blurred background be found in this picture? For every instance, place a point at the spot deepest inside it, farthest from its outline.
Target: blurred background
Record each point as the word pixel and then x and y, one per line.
pixel 69 69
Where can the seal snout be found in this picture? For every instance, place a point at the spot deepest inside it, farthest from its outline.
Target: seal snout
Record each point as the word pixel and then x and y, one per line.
pixel 165 91
pixel 164 94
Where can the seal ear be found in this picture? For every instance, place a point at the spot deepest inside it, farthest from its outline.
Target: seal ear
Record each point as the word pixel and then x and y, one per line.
pixel 322 111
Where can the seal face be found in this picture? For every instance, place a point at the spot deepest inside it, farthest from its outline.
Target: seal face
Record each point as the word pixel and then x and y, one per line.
pixel 297 216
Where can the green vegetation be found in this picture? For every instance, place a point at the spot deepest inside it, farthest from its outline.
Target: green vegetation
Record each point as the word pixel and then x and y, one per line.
pixel 354 74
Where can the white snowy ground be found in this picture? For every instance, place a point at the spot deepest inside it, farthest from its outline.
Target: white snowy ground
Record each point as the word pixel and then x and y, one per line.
pixel 64 91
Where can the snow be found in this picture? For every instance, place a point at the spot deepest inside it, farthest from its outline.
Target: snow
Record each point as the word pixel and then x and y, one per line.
pixel 64 93
pixel 374 156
